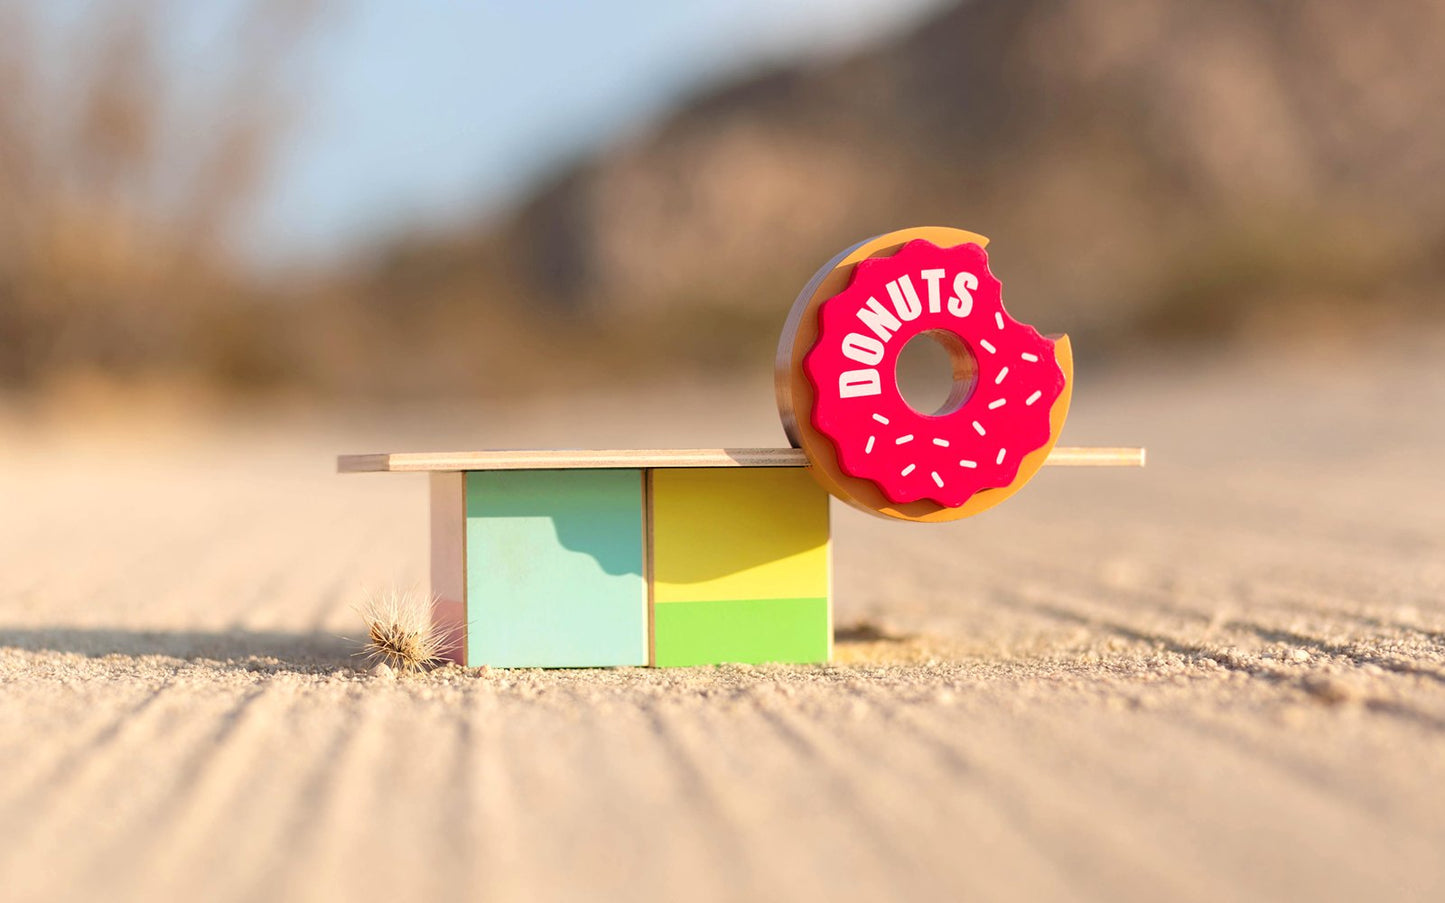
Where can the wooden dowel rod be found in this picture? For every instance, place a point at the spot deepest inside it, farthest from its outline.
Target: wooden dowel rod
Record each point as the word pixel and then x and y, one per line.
pixel 1096 457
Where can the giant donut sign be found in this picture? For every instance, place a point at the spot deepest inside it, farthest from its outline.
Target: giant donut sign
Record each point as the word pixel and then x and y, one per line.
pixel 838 390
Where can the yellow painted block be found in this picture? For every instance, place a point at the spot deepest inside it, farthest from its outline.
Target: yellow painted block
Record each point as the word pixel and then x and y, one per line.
pixel 738 533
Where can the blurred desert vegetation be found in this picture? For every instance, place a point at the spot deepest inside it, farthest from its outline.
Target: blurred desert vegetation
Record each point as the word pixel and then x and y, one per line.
pixel 122 185
pixel 1153 173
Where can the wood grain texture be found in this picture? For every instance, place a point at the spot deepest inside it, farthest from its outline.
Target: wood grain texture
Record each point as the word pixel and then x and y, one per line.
pixel 649 562
pixel 555 459
pixel 562 459
pixel 1064 456
pixel 447 509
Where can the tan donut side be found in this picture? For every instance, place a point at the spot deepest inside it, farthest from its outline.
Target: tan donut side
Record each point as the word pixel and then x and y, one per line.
pixel 795 393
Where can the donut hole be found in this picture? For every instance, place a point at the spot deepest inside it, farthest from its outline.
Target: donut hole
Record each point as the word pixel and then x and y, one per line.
pixel 936 372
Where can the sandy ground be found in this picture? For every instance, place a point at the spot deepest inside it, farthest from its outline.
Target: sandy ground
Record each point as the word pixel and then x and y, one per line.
pixel 1222 678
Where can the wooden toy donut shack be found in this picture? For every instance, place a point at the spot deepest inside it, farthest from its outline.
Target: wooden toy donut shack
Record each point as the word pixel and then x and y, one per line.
pixel 672 557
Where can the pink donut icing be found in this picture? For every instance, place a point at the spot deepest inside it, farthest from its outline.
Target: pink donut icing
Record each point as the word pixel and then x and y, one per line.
pixel 970 446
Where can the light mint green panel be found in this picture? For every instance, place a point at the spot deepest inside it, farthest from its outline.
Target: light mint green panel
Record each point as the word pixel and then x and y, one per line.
pixel 554 569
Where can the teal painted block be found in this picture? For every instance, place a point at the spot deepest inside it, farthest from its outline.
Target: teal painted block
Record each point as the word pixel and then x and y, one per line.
pixel 554 562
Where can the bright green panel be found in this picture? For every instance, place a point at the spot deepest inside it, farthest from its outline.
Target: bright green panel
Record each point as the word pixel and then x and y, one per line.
pixel 747 630
pixel 554 568
pixel 738 533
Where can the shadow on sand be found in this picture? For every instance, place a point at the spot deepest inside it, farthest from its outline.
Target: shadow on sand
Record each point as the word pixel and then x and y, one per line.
pixel 241 647
pixel 263 650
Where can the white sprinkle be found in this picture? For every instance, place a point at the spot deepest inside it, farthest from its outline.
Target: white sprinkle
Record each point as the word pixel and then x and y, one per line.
pixel 979 427
pixel 903 440
pixel 998 318
pixel 1001 374
pixel 1031 358
pixel 1034 397
pixel 987 346
pixel 941 443
pixel 1001 453
pixel 907 470
pixel 881 419
pixel 938 480
pixel 868 449
pixel 967 463
pixel 997 403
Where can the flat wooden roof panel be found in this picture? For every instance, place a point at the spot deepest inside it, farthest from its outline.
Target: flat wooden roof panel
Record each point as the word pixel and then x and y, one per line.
pixel 557 459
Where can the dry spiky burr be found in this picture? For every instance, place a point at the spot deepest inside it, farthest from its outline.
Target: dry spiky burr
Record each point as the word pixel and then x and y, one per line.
pixel 400 632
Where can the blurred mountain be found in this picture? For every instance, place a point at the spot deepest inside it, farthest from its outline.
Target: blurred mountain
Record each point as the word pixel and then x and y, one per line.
pixel 1151 172
pixel 1147 170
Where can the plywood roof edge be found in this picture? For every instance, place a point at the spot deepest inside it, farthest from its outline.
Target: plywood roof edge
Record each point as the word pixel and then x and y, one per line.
pixel 561 459
pixel 555 459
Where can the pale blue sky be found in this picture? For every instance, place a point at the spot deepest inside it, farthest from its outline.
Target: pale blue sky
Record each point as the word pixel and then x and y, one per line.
pixel 433 110
pixel 420 113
